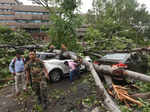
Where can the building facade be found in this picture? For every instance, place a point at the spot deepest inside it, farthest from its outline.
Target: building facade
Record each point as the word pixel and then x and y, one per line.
pixel 18 16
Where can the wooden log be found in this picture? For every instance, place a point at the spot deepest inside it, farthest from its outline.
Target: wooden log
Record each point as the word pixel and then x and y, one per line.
pixel 21 47
pixel 147 49
pixel 92 54
pixel 108 80
pixel 141 95
pixel 108 70
pixel 137 76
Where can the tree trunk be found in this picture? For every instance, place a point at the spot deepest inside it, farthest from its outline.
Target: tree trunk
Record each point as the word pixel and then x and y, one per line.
pixel 108 70
pixel 147 49
pixel 108 80
pixel 107 99
pixel 135 75
pixel 102 91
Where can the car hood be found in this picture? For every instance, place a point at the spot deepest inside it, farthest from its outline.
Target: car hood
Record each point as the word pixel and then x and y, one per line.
pixel 55 61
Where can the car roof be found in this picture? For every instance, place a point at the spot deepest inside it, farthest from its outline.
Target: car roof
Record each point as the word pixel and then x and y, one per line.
pixel 44 53
pixel 116 57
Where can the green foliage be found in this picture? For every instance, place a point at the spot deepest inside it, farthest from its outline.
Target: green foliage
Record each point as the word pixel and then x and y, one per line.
pixel 10 37
pixel 145 107
pixel 144 87
pixel 19 37
pixel 119 23
pixel 64 22
pixel 97 41
pixel 125 109
pixel 37 108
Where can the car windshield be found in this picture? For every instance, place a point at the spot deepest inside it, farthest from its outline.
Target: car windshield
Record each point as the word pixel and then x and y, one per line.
pixel 45 56
pixel 116 56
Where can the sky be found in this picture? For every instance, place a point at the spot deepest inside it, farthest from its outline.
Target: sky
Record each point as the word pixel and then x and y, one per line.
pixel 146 2
pixel 87 4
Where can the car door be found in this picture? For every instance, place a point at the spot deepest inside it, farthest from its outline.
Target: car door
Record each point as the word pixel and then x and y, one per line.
pixel 65 67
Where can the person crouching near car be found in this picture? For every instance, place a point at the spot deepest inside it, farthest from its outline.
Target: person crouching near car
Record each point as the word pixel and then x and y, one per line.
pixel 16 67
pixel 38 75
pixel 74 70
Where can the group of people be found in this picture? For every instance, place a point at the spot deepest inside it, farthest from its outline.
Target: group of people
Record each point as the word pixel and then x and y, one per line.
pixel 31 71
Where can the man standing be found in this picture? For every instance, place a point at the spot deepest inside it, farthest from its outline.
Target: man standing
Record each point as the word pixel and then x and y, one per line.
pixel 16 67
pixel 37 74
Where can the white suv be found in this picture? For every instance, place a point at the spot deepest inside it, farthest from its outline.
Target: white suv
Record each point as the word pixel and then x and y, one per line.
pixel 56 67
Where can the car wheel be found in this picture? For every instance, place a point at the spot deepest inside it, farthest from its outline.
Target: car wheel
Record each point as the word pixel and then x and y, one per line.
pixel 55 75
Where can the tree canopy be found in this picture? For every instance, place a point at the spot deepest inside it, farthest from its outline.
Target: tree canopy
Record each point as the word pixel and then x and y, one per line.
pixel 11 37
pixel 64 20
pixel 122 20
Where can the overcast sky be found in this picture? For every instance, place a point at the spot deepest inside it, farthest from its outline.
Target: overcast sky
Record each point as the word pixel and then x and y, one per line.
pixel 146 2
pixel 87 4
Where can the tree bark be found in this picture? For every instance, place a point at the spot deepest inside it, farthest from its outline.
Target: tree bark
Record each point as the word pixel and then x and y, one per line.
pixel 137 76
pixel 121 51
pixel 108 80
pixel 108 70
pixel 107 99
pixel 141 95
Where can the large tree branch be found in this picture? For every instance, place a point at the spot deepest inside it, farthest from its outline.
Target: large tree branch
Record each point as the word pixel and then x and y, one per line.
pixel 108 70
pixel 121 51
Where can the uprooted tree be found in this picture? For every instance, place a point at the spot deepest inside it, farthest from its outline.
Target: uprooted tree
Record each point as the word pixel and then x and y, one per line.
pixel 107 71
pixel 114 27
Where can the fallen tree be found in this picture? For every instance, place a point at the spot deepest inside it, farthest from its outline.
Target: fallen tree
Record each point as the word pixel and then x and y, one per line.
pixel 21 47
pixel 106 69
pixel 111 105
pixel 147 49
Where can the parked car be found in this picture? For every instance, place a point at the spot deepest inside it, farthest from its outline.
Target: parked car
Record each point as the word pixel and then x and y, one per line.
pixel 135 61
pixel 56 67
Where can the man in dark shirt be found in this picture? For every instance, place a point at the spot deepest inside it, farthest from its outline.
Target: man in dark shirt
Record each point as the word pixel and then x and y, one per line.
pixel 36 70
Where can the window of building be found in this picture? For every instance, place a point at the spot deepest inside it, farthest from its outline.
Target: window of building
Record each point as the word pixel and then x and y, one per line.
pixel 32 13
pixel 36 21
pixel 5 15
pixel 5 10
pixel 6 21
pixel 45 21
pixel 7 4
pixel 21 21
pixel 45 13
pixel 12 26
pixel 28 21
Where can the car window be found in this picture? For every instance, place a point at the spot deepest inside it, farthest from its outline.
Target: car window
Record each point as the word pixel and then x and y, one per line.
pixel 116 56
pixel 45 56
